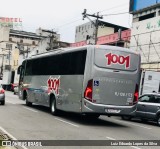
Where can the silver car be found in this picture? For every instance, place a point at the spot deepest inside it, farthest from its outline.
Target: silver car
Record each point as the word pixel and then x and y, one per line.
pixel 148 108
pixel 2 95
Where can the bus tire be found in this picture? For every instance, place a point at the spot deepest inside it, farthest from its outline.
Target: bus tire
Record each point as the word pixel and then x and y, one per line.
pixel 27 102
pixel 53 107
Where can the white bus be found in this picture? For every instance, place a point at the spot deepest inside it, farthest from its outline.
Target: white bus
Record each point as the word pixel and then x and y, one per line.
pixel 92 80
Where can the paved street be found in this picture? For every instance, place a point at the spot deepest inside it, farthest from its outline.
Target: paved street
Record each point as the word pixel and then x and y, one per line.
pixel 36 123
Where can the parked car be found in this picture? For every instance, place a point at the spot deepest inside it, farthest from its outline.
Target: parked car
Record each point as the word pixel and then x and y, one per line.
pixel 148 108
pixel 15 90
pixel 13 85
pixel 2 95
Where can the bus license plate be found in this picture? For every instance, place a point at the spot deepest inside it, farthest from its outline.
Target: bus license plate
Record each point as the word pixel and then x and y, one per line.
pixel 112 111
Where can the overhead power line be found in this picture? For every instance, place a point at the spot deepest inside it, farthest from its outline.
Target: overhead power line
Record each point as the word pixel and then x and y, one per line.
pixel 71 22
pixel 68 23
pixel 120 13
pixel 112 7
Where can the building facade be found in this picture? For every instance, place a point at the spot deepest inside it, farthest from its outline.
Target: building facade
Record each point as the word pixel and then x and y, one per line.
pixel 107 34
pixel 15 46
pixel 145 33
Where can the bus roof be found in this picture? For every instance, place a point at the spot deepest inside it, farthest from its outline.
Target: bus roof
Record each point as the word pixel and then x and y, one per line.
pixel 72 49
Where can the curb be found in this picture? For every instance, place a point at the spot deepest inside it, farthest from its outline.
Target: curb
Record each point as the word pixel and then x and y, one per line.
pixel 5 137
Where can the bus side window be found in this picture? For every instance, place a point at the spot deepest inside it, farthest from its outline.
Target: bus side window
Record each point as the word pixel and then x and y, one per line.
pixel 77 63
pixel 28 68
pixel 21 70
pixel 36 67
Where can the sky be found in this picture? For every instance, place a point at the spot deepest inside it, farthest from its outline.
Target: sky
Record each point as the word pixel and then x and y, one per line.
pixel 64 15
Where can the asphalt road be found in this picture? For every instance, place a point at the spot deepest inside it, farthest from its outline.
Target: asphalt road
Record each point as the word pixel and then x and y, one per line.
pixel 36 123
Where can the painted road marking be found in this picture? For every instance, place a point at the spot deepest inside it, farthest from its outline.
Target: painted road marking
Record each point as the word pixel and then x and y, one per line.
pixel 5 132
pixel 109 138
pixel 135 147
pixel 30 109
pixel 66 122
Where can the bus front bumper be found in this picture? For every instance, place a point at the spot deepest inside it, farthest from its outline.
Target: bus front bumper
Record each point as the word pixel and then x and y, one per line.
pixel 89 107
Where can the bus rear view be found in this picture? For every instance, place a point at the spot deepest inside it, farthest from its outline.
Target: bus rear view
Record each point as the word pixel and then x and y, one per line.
pixel 111 86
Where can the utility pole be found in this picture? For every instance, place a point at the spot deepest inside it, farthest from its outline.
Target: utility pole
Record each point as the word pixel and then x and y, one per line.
pixel 85 15
pixel 51 37
pixel 27 51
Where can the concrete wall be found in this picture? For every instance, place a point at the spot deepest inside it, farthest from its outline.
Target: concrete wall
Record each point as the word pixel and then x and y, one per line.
pixel 83 30
pixel 14 55
pixel 4 34
pixel 145 38
pixel 89 29
pixel 103 31
pixel 25 40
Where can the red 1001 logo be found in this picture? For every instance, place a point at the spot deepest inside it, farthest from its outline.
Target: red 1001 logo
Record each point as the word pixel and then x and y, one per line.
pixel 118 59
pixel 53 85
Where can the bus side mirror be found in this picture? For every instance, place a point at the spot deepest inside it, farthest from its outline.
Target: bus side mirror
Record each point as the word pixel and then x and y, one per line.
pixel 19 69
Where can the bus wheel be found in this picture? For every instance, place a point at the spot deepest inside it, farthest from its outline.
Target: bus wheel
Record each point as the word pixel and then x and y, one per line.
pixel 53 108
pixel 27 102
